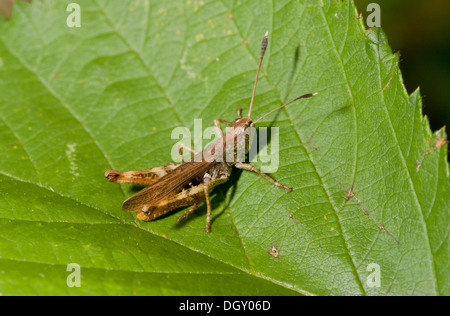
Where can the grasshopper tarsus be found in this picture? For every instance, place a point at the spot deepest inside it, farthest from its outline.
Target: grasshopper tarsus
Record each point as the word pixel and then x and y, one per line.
pixel 189 183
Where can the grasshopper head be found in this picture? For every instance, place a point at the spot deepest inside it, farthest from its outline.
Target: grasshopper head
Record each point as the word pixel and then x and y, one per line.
pixel 242 122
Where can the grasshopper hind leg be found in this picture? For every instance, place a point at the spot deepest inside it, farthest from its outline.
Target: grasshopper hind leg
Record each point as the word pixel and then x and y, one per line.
pixel 144 215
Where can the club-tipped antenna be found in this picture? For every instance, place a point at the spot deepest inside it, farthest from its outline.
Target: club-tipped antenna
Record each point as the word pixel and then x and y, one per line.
pixel 309 95
pixel 263 50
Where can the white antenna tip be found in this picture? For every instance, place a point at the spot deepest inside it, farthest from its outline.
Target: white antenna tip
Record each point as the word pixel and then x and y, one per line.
pixel 315 93
pixel 267 34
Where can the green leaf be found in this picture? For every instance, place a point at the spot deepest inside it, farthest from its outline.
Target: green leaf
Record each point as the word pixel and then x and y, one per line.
pixel 371 181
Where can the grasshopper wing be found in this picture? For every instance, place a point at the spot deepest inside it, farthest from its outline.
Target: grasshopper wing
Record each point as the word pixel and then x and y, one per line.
pixel 167 186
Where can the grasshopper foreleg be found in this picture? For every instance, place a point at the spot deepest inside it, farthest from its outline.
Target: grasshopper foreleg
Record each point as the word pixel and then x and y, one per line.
pixel 182 147
pixel 217 125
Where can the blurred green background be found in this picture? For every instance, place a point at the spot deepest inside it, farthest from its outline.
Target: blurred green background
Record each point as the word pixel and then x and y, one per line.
pixel 420 31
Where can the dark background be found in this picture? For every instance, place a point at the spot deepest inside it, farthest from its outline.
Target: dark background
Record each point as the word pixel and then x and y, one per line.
pixel 420 31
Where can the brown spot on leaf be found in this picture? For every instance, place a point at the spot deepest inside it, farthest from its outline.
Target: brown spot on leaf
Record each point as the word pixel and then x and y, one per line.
pixel 312 145
pixel 441 141
pixel 274 252
pixel 350 193
pixel 6 7
pixel 296 221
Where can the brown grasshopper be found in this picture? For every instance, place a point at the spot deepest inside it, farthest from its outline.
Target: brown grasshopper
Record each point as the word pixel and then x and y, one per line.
pixel 189 183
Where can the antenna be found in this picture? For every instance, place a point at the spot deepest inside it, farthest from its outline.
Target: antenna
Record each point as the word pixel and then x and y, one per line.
pixel 263 50
pixel 309 95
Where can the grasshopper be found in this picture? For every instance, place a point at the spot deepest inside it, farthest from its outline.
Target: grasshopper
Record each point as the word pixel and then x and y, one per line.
pixel 190 182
